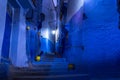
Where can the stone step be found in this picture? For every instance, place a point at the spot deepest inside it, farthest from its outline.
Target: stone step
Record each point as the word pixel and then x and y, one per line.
pixel 54 77
pixel 53 59
pixel 38 72
pixel 4 70
pixel 51 65
pixel 45 66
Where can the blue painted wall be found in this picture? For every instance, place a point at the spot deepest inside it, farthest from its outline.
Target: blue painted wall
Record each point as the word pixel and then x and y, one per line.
pixel 101 35
pixel 93 44
pixel 99 49
pixel 35 44
pixel 2 22
pixel 32 42
pixel 73 45
pixel 6 39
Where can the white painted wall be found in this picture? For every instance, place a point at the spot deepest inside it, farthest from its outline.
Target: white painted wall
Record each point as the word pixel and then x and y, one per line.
pixel 73 7
pixel 14 36
pixel 21 51
pixel 18 39
pixel 50 18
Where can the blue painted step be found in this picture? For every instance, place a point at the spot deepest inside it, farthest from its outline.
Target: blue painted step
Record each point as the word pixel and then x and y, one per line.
pixel 51 65
pixel 53 60
pixel 4 68
pixel 55 77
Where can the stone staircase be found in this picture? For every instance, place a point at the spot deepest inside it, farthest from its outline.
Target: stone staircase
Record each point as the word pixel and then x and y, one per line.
pixel 4 68
pixel 46 69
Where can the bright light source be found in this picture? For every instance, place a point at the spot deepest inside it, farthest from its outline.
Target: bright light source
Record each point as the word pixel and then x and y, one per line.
pixel 53 32
pixel 46 35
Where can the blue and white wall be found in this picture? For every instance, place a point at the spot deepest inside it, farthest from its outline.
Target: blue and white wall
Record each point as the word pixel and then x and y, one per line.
pixel 18 39
pixel 48 25
pixel 21 51
pixel 18 53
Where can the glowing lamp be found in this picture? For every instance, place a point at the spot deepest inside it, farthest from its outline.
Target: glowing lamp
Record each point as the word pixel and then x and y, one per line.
pixel 46 35
pixel 37 58
pixel 28 28
pixel 53 32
